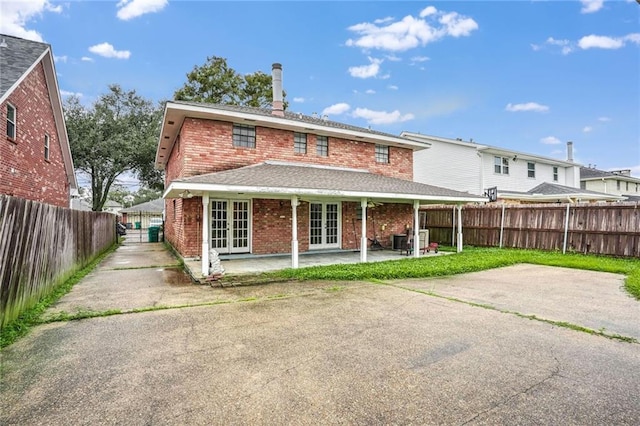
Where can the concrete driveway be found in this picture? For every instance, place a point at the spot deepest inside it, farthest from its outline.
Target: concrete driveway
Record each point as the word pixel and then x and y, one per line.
pixel 403 352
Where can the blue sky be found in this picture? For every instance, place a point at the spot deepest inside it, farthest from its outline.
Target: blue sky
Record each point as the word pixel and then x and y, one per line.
pixel 523 75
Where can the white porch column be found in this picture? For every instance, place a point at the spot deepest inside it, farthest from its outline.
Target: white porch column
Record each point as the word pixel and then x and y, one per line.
pixel 363 232
pixel 294 231
pixel 205 234
pixel 416 224
pixel 459 228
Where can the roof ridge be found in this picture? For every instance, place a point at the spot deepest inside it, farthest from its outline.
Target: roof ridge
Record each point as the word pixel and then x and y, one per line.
pixel 315 166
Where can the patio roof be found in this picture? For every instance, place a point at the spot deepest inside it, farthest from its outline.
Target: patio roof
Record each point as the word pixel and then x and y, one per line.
pixel 284 180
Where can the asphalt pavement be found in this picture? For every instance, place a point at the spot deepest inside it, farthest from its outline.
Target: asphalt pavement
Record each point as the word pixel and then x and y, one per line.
pixel 456 350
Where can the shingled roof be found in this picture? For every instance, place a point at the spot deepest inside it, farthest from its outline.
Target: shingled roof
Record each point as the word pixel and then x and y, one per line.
pixel 275 178
pixel 550 191
pixel 16 58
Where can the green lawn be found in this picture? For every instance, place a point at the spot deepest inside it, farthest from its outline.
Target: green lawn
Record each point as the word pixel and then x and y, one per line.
pixel 470 260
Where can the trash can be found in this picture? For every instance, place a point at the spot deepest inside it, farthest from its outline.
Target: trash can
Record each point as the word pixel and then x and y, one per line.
pixel 153 234
pixel 137 225
pixel 129 225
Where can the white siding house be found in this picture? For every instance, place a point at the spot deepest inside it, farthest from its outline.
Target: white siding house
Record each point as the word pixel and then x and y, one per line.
pixel 618 182
pixel 518 176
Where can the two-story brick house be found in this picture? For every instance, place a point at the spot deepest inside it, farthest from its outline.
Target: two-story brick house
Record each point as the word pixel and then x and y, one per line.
pixel 35 158
pixel 249 180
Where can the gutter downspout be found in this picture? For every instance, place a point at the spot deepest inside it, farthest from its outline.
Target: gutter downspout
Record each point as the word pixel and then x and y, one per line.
pixel 566 227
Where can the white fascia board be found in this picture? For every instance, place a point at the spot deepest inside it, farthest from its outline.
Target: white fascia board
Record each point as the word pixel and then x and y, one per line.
pixel 283 122
pixel 177 187
pixel 551 197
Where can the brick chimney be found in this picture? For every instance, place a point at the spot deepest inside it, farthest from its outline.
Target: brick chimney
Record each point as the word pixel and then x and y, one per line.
pixel 570 151
pixel 276 77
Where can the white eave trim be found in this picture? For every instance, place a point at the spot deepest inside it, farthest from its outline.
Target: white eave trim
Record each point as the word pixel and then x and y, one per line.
pixel 200 188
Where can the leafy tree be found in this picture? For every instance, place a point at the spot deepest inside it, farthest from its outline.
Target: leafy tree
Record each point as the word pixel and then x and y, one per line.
pixel 120 194
pixel 145 194
pixel 216 82
pixel 119 133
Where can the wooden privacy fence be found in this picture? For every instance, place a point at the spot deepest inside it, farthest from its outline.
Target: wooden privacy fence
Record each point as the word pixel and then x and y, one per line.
pixel 611 229
pixel 41 246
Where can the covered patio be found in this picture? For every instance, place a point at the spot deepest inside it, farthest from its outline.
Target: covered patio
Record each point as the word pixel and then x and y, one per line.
pixel 254 264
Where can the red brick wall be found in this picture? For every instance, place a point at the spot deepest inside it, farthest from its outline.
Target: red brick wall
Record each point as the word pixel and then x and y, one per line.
pixel 183 225
pixel 206 146
pixel 24 172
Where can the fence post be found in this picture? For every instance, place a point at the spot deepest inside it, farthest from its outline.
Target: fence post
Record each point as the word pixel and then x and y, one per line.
pixel 566 229
pixel 453 227
pixel 502 226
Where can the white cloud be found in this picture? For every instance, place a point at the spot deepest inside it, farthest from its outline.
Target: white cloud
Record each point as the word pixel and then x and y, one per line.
pixel 393 58
pixel 381 117
pixel 590 6
pixel 86 59
pixel 601 42
pixel 566 45
pixel 336 109
pixel 17 14
pixel 370 92
pixel 129 9
pixel 529 106
pixel 587 129
pixel 383 20
pixel 420 59
pixel 67 93
pixel 298 100
pixel 392 87
pixel 107 50
pixel 62 59
pixel 550 140
pixel 604 119
pixel 410 32
pixel 366 71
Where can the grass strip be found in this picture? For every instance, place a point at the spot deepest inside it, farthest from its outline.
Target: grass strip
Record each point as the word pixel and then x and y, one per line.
pixel 32 316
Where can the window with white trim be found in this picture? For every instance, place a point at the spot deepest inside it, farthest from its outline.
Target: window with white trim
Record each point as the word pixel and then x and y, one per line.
pixel 555 174
pixel 501 165
pixel 11 121
pixel 46 147
pixel 618 185
pixel 244 136
pixel 322 146
pixel 300 143
pixel 382 153
pixel 531 170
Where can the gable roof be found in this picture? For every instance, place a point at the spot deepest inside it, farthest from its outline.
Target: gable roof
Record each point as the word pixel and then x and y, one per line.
pixel 176 111
pixel 551 192
pixel 489 149
pixel 588 173
pixel 17 59
pixel 283 180
pixel 153 206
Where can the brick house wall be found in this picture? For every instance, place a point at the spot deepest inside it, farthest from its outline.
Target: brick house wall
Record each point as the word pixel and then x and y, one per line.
pixel 24 171
pixel 206 146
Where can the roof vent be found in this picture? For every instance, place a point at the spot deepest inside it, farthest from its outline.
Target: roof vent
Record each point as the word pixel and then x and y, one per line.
pixel 325 117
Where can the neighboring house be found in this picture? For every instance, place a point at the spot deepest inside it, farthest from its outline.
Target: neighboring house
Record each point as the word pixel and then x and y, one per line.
pixel 616 182
pixel 552 193
pixel 80 204
pixel 249 180
pixel 111 206
pixel 143 213
pixel 35 158
pixel 476 168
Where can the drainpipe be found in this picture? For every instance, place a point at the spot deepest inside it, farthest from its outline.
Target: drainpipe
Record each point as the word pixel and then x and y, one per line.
pixel 294 231
pixel 363 231
pixel 416 224
pixel 459 228
pixel 205 234
pixel 566 227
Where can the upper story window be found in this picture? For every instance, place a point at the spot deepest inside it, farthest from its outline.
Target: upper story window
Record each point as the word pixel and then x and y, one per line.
pixel 531 170
pixel 322 146
pixel 555 174
pixel 382 153
pixel 46 147
pixel 300 142
pixel 501 165
pixel 627 184
pixel 583 184
pixel 244 136
pixel 618 185
pixel 11 121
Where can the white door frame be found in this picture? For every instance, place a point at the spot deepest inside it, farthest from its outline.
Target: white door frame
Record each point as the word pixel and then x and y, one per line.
pixel 323 237
pixel 229 219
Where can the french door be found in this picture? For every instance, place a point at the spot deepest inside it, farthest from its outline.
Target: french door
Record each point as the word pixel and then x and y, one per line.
pixel 324 225
pixel 230 226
